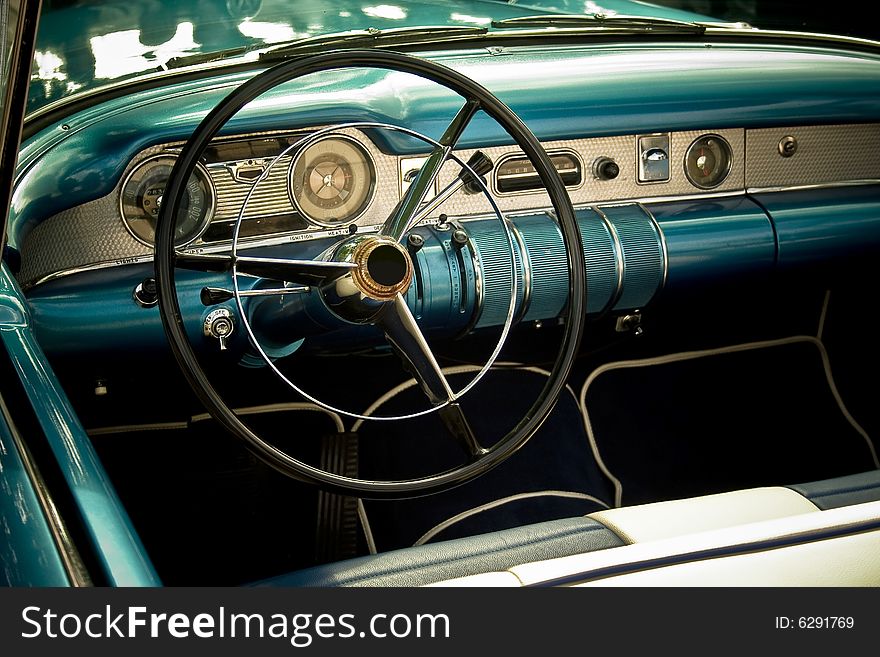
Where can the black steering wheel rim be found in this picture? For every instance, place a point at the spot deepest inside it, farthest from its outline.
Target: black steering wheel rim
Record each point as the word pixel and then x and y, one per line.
pixel 172 317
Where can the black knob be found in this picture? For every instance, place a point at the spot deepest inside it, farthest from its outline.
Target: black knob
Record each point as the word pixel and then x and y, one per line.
pixel 145 293
pixel 211 296
pixel 481 165
pixel 604 168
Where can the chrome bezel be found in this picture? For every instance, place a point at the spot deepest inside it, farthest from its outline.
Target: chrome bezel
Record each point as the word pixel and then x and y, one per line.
pixel 726 146
pixel 200 170
pixel 520 154
pixel 371 193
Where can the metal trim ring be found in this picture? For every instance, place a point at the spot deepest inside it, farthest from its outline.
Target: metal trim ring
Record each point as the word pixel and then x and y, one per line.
pixel 728 169
pixel 371 194
pixel 199 170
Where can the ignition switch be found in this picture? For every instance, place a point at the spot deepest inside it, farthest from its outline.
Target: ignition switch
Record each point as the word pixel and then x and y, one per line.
pixel 219 325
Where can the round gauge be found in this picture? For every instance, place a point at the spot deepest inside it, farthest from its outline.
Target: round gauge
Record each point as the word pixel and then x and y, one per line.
pixel 141 200
pixel 708 161
pixel 332 180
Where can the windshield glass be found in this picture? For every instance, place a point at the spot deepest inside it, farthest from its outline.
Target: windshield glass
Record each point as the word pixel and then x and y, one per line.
pixel 83 44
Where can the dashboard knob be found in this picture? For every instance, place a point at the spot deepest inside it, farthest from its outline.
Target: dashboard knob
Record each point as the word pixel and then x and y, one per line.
pixel 481 164
pixel 145 293
pixel 604 168
pixel 219 325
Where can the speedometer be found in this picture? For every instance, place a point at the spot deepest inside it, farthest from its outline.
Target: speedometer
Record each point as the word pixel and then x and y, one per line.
pixel 332 180
pixel 141 201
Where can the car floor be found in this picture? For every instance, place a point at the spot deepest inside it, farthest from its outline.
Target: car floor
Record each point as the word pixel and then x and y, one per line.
pixel 772 395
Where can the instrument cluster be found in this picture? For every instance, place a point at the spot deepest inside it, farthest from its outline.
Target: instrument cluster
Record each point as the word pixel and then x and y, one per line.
pixel 328 183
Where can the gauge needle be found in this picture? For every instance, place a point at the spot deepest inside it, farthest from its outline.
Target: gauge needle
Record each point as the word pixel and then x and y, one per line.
pixel 325 178
pixel 701 162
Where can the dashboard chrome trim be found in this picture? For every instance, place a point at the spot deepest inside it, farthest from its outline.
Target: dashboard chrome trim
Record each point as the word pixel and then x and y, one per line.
pixel 526 264
pixel 805 188
pixel 727 168
pixel 663 246
pixel 589 194
pixel 551 152
pixel 294 236
pixel 618 259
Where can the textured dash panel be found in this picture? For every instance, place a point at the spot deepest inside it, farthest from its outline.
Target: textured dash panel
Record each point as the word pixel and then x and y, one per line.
pixel 825 155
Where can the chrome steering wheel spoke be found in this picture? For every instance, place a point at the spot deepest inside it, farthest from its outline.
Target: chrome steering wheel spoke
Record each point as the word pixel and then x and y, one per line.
pixel 404 334
pixel 300 272
pixel 400 220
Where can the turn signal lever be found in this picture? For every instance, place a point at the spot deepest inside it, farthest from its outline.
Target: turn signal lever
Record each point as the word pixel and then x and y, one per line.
pixel 480 163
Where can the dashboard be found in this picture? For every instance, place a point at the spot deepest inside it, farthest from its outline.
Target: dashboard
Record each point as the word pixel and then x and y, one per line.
pixel 324 182
pixel 680 177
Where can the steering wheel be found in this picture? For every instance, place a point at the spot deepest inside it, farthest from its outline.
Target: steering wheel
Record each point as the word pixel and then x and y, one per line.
pixel 365 277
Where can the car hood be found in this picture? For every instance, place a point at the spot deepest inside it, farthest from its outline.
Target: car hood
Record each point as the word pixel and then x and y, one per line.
pixel 85 45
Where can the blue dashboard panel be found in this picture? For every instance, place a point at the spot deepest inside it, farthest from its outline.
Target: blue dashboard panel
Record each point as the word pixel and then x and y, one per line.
pixel 715 240
pixel 842 224
pixel 595 91
pixel 631 253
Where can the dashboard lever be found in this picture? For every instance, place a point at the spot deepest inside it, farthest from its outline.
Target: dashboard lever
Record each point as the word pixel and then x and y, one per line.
pixel 479 162
pixel 211 296
pixel 481 165
pixel 219 325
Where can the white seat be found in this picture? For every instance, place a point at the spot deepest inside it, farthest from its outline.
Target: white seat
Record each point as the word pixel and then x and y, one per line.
pixel 756 537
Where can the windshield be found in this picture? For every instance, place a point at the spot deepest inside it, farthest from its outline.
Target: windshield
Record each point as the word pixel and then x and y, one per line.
pixel 85 44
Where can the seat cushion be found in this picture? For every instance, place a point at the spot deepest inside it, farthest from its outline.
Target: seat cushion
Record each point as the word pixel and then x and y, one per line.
pixel 462 557
pixel 842 491
pixel 651 522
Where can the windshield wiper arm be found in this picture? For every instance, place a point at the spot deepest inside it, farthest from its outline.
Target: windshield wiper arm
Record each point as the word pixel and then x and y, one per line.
pixel 603 21
pixel 397 36
pixel 319 42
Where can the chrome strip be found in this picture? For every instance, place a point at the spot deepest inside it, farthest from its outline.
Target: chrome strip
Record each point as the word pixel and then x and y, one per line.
pixel 527 272
pixel 798 188
pixel 305 236
pixel 478 285
pixel 618 258
pixel 76 570
pixel 656 225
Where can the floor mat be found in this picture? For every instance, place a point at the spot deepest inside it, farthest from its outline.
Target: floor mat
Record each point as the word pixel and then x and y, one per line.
pixel 753 418
pixel 556 458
